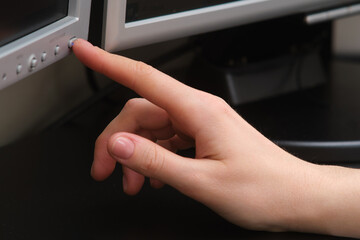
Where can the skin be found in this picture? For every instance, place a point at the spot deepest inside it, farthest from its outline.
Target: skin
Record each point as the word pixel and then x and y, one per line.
pixel 237 172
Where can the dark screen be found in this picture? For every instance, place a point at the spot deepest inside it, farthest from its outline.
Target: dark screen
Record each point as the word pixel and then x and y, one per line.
pixel 21 17
pixel 143 9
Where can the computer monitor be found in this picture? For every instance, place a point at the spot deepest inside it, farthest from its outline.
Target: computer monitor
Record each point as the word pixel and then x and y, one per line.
pixel 132 23
pixel 36 33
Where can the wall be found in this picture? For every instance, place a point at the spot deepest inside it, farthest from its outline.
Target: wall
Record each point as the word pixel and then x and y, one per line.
pixel 347 37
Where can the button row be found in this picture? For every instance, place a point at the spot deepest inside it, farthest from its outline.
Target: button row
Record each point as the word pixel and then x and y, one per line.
pixel 33 61
pixel 333 14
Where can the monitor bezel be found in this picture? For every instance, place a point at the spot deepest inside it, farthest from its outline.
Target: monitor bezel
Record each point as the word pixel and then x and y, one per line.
pixel 44 40
pixel 118 35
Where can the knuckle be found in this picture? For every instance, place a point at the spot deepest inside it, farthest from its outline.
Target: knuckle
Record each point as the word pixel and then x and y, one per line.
pixel 219 103
pixel 133 103
pixel 143 69
pixel 154 161
pixel 214 104
pixel 222 106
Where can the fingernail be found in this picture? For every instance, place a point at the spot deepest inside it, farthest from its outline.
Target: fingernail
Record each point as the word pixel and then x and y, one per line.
pixel 82 42
pixel 123 148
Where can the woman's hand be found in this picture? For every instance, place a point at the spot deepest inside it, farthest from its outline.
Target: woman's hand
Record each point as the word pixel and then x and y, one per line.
pixel 237 172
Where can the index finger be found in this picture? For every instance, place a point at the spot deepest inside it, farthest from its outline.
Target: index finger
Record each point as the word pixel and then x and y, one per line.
pixel 157 87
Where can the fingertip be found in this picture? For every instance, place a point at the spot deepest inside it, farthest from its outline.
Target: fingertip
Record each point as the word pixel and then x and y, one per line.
pixel 102 167
pixel 121 147
pixel 96 176
pixel 132 181
pixel 80 43
pixel 85 52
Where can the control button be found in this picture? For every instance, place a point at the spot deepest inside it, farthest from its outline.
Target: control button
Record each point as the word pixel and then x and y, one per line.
pixel 43 57
pixel 4 77
pixel 57 50
pixel 18 69
pixel 33 62
pixel 71 42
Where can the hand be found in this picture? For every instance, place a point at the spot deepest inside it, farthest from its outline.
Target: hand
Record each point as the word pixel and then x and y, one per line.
pixel 237 172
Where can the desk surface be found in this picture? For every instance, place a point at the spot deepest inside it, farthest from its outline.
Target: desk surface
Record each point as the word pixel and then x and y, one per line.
pixel 47 193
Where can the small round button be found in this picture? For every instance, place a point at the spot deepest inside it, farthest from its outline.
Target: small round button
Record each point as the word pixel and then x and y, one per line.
pixel 4 77
pixel 18 69
pixel 43 57
pixel 33 62
pixel 71 42
pixel 57 50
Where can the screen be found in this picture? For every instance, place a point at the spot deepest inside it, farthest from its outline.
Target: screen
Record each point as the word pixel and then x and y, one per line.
pixel 143 9
pixel 21 17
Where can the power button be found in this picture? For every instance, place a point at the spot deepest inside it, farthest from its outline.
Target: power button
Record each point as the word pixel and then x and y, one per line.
pixel 71 42
pixel 33 62
pixel 57 50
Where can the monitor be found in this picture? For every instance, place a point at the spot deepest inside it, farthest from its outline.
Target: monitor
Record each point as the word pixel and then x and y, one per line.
pixel 132 23
pixel 35 34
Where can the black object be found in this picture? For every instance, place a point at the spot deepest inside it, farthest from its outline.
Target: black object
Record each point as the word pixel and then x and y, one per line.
pixel 96 22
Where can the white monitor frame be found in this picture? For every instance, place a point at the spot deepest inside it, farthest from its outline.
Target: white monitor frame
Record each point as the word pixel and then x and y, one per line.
pixel 119 35
pixel 37 50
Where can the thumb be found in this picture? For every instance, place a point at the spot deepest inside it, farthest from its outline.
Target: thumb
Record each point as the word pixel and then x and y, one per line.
pixel 151 160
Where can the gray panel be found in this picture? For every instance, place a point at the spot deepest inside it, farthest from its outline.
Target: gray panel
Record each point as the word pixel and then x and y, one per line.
pixel 119 35
pixel 41 48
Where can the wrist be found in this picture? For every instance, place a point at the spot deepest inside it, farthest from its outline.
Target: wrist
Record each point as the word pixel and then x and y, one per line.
pixel 304 200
